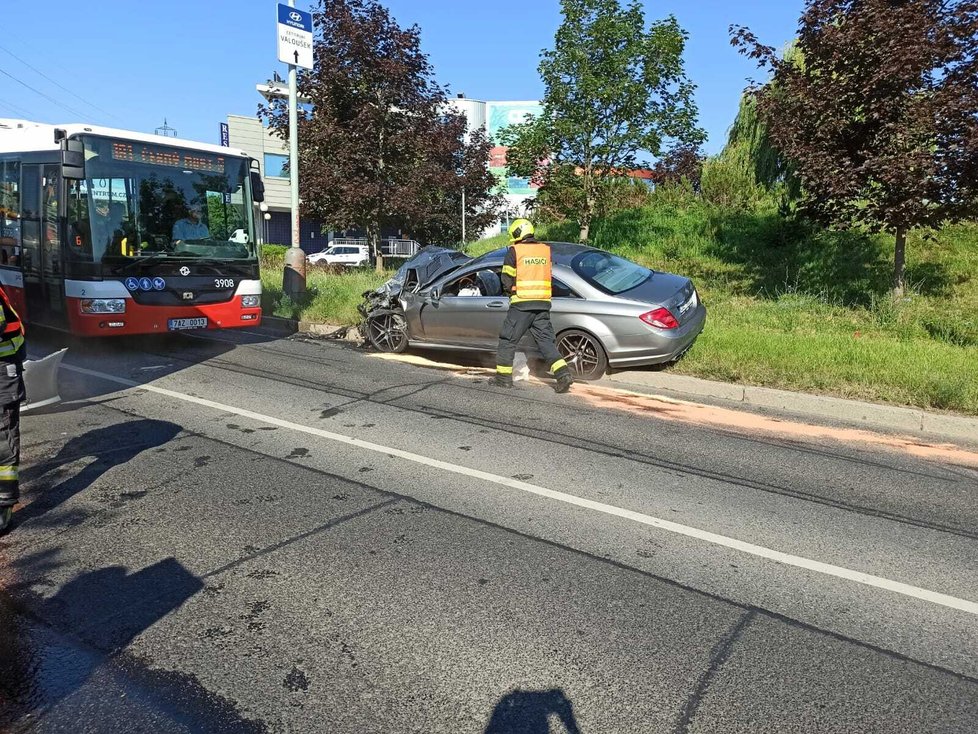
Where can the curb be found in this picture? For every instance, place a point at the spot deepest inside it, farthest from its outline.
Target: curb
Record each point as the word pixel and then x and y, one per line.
pixel 887 417
pixel 275 323
pixel 292 326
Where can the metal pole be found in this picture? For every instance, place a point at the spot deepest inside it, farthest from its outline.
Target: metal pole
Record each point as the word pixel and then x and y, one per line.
pixel 463 215
pixel 295 261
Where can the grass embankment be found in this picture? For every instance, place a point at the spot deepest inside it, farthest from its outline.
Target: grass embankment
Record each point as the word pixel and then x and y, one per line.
pixel 791 306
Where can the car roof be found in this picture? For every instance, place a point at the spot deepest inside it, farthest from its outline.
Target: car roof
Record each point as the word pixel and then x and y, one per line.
pixel 563 252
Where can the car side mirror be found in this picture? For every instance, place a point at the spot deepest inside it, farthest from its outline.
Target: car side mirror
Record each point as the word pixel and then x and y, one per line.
pixel 435 295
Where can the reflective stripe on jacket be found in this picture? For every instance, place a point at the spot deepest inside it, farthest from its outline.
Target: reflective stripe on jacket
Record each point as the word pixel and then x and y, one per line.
pixel 12 330
pixel 533 271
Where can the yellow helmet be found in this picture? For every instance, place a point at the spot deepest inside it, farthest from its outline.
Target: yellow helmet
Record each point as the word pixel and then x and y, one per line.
pixel 520 229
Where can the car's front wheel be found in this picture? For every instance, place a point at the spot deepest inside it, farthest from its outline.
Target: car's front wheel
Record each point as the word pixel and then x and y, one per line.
pixel 583 353
pixel 387 331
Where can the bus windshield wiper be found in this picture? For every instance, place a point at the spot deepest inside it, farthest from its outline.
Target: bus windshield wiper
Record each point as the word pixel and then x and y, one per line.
pixel 142 260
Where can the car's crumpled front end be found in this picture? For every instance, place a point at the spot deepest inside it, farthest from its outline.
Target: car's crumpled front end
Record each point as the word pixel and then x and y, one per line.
pixel 416 273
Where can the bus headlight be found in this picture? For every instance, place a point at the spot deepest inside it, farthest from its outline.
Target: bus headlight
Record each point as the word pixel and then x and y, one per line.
pixel 103 305
pixel 250 301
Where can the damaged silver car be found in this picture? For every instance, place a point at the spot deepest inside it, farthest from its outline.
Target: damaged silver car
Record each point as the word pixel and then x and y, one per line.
pixel 608 312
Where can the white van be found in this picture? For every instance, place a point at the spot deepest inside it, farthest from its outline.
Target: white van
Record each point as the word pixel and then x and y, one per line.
pixel 349 255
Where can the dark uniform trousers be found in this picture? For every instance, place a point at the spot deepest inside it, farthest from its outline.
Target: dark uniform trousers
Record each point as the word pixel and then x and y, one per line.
pixel 11 394
pixel 517 323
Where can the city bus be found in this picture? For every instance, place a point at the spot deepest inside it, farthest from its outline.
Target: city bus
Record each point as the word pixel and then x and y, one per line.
pixel 110 232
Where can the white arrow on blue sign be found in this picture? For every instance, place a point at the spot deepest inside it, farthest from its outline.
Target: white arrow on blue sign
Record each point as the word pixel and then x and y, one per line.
pixel 294 31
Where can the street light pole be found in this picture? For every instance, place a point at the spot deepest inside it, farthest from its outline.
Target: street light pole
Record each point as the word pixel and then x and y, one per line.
pixel 294 276
pixel 463 215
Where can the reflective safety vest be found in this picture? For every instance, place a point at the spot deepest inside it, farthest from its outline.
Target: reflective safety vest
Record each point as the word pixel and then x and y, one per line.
pixel 12 333
pixel 533 270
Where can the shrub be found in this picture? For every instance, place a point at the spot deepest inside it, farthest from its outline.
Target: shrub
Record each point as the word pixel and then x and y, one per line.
pixel 272 256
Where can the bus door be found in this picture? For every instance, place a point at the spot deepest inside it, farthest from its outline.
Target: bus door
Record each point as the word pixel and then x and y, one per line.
pixel 41 245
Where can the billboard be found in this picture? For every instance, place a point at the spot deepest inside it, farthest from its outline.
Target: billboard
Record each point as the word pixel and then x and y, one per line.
pixel 498 116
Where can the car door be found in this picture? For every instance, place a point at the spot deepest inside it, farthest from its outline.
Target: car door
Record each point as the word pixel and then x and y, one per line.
pixel 471 322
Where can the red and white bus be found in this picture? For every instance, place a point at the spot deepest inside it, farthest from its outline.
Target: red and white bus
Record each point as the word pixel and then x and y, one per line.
pixel 106 231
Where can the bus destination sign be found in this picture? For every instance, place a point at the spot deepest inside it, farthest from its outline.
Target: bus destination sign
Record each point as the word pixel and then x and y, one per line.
pixel 159 156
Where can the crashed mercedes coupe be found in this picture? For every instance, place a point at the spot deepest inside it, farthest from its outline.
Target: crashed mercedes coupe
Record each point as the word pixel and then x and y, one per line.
pixel 607 311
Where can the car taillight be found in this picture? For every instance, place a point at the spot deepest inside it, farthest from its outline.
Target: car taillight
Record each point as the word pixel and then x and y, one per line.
pixel 661 318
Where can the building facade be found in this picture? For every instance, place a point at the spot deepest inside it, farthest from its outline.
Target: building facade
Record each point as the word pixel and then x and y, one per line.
pixel 493 116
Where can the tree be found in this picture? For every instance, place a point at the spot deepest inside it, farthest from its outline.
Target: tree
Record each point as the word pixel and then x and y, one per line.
pixel 749 144
pixel 682 162
pixel 612 90
pixel 377 148
pixel 881 119
pixel 455 163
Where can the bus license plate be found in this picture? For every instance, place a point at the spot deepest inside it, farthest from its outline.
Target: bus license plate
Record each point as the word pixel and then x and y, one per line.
pixel 180 324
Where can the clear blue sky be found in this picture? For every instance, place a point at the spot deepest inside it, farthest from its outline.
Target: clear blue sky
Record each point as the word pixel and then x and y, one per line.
pixel 130 63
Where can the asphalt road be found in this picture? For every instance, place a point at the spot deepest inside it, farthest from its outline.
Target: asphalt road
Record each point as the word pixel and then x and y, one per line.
pixel 295 536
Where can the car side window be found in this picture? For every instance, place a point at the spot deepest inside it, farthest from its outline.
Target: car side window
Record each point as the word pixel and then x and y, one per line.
pixel 559 290
pixel 464 286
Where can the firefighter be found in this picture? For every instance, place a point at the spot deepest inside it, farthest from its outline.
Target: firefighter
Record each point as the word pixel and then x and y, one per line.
pixel 526 280
pixel 11 394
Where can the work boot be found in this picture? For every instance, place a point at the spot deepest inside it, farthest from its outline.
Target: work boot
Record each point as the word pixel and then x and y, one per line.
pixel 564 380
pixel 6 513
pixel 500 380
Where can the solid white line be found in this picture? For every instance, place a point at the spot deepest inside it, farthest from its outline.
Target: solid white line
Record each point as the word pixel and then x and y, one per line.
pixel 787 559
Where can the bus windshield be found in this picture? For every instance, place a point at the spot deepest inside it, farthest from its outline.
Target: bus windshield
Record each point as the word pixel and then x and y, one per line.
pixel 142 200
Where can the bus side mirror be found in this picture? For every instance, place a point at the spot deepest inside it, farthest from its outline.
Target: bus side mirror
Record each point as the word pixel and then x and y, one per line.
pixel 257 187
pixel 72 159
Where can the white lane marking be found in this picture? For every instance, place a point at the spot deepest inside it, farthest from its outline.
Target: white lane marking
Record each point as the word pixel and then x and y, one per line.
pixel 787 559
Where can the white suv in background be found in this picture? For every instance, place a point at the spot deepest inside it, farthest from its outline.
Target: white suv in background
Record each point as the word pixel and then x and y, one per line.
pixel 349 255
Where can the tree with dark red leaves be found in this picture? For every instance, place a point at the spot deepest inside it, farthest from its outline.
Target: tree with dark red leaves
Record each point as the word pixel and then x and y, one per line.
pixel 880 118
pixel 378 147
pixel 682 162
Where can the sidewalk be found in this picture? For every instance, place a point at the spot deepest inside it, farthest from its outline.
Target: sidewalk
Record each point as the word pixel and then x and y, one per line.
pixel 876 416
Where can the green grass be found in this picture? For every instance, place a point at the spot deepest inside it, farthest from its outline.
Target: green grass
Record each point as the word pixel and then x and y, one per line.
pixel 330 297
pixel 790 305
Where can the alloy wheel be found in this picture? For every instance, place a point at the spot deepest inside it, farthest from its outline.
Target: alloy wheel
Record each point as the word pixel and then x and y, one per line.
pixel 388 332
pixel 583 354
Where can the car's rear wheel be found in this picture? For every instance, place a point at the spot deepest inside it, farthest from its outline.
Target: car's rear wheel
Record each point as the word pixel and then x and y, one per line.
pixel 583 353
pixel 387 332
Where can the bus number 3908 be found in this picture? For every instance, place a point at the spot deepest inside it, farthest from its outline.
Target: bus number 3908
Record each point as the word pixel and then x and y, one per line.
pixel 223 283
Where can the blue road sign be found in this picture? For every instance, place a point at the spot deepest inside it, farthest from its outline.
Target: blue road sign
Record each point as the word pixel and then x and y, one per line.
pixel 295 18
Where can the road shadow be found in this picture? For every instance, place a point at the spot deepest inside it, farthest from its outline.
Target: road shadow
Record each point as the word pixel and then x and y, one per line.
pixel 529 712
pixel 110 446
pixel 140 358
pixel 66 646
